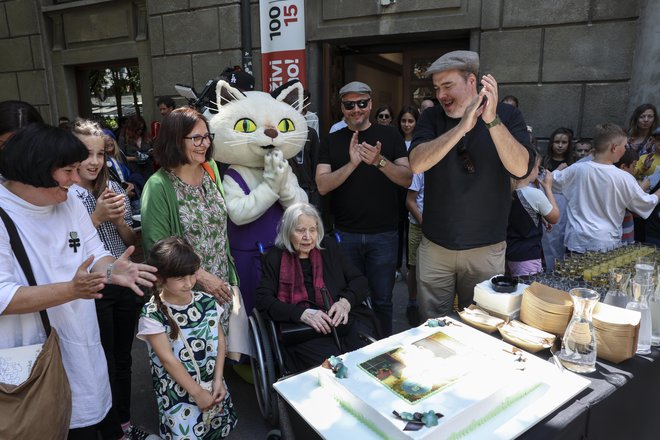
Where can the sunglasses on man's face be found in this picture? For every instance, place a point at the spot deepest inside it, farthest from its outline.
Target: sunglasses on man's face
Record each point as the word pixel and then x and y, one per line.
pixel 350 105
pixel 384 116
pixel 468 164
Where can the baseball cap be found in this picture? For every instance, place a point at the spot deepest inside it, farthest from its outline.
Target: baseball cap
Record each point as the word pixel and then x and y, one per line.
pixel 241 80
pixel 458 59
pixel 355 87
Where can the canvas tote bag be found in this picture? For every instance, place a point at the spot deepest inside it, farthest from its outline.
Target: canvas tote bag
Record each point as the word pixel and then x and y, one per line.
pixel 40 406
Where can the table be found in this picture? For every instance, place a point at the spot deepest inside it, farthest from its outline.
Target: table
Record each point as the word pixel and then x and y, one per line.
pixel 621 402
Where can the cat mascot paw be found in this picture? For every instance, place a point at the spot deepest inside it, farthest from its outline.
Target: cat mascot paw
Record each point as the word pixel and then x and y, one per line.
pixel 255 134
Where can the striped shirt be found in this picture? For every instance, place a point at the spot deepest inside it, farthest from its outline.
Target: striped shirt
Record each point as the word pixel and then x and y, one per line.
pixel 108 232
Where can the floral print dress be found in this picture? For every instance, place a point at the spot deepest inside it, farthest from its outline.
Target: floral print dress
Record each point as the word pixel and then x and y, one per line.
pixel 203 217
pixel 180 417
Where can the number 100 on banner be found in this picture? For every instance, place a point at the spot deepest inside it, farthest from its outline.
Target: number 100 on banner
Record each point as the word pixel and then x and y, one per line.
pixel 282 42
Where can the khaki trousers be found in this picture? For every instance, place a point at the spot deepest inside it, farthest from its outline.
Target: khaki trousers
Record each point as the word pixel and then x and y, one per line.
pixel 442 273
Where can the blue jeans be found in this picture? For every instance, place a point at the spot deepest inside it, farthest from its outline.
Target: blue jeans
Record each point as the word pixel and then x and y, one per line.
pixel 375 256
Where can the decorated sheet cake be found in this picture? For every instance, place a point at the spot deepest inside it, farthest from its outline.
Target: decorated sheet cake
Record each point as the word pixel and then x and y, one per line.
pixel 470 385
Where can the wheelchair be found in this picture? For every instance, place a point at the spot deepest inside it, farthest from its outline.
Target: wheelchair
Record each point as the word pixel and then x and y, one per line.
pixel 267 363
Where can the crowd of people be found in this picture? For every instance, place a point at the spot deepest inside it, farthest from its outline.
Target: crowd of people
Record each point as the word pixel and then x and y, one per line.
pixel 454 189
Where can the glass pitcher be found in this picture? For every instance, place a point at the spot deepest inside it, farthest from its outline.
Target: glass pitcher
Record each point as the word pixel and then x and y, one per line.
pixel 578 347
pixel 616 295
pixel 654 307
pixel 638 301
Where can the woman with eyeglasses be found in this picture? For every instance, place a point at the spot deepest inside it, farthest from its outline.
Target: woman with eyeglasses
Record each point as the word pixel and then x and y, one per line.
pixel 185 198
pixel 384 115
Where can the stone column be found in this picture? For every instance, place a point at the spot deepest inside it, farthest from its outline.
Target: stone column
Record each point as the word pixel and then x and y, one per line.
pixel 645 78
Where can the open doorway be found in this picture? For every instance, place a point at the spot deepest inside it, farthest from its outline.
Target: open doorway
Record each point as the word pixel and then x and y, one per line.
pixel 109 92
pixel 395 72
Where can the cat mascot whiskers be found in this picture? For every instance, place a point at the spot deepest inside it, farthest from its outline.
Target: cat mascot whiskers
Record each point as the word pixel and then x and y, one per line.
pixel 256 134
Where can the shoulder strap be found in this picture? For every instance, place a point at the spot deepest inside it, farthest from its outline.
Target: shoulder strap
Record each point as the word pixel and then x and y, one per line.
pixel 23 260
pixel 192 356
pixel 209 170
pixel 238 179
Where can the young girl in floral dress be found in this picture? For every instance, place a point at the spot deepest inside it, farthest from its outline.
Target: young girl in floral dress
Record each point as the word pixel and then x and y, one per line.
pixel 186 348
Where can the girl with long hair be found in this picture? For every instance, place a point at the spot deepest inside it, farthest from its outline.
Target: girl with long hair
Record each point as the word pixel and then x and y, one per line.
pixel 186 347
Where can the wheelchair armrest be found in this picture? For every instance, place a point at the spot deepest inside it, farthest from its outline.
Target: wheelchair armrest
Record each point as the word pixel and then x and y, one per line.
pixel 292 334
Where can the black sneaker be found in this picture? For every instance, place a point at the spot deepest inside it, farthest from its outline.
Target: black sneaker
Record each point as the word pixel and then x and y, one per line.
pixel 412 314
pixel 138 433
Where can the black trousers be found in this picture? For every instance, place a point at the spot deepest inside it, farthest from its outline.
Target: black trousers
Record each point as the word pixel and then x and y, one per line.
pixel 117 314
pixel 108 428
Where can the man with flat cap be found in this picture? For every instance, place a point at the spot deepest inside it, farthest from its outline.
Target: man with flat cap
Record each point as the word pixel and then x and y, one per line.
pixel 468 147
pixel 362 165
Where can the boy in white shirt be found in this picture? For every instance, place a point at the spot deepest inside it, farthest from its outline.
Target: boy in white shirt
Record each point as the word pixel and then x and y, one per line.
pixel 598 194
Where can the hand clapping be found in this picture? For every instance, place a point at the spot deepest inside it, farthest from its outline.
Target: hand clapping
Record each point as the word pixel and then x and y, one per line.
pixel 110 207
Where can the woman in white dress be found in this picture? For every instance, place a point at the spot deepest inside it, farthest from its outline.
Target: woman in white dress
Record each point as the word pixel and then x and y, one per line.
pixel 69 262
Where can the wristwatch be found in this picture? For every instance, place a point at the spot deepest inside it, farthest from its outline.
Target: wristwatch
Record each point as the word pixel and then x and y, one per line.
pixel 494 122
pixel 381 163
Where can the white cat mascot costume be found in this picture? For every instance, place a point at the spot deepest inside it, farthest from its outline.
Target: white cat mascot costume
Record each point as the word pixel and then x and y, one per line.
pixel 256 134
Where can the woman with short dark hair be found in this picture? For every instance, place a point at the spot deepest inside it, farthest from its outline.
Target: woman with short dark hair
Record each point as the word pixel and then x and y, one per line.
pixel 69 263
pixel 185 198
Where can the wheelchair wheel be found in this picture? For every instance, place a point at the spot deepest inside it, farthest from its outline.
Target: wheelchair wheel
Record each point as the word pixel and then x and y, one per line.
pixel 263 368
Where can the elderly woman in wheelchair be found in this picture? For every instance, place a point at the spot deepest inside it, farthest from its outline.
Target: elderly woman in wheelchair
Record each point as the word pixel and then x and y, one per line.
pixel 306 280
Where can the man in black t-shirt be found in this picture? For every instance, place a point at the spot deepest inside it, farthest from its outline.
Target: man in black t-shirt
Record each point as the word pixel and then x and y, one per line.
pixel 362 165
pixel 468 148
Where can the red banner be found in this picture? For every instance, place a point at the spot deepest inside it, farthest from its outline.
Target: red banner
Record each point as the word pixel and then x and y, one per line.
pixel 280 67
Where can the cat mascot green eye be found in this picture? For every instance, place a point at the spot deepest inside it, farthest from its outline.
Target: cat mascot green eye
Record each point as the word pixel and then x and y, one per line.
pixel 255 134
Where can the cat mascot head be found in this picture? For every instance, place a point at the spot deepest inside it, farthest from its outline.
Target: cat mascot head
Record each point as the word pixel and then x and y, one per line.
pixel 249 125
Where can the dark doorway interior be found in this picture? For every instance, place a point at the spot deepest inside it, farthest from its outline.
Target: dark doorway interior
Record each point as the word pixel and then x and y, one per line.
pixel 395 71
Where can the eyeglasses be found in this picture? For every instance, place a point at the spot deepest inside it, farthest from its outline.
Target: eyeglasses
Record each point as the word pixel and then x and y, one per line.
pixel 384 116
pixel 198 140
pixel 350 105
pixel 462 151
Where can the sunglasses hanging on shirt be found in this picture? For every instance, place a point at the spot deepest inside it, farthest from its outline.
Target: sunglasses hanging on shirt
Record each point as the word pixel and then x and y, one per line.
pixel 468 164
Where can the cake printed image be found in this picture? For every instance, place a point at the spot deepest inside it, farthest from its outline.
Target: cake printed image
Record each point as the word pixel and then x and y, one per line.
pixel 421 369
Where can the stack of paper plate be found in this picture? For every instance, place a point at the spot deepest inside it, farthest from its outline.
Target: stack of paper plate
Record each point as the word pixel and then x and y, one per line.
pixel 480 319
pixel 617 331
pixel 526 337
pixel 546 308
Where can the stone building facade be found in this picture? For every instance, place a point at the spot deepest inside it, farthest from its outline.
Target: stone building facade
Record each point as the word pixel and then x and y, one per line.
pixel 571 63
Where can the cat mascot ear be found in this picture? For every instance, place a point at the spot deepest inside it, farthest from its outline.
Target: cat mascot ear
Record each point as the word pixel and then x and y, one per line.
pixel 226 93
pixel 291 93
